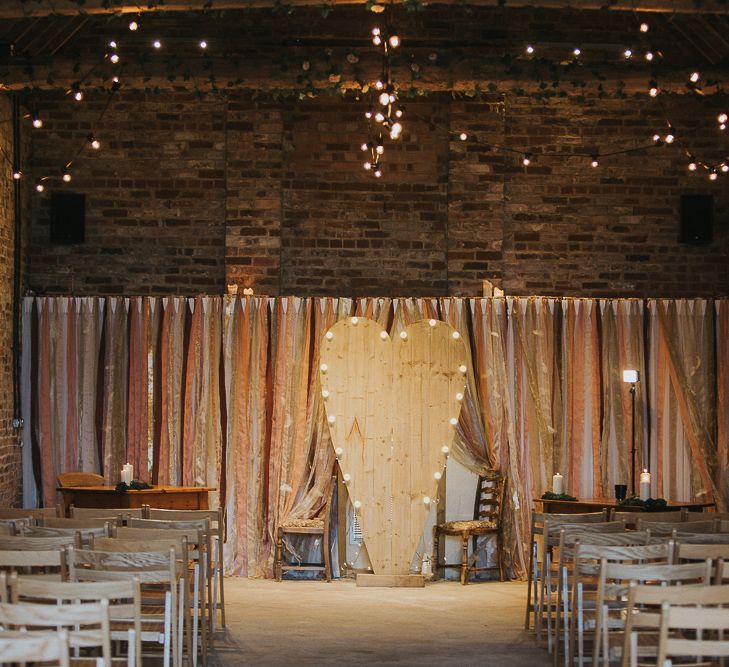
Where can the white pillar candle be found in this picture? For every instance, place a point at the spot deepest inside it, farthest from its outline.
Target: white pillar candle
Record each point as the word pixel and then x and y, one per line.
pixel 645 485
pixel 557 484
pixel 127 473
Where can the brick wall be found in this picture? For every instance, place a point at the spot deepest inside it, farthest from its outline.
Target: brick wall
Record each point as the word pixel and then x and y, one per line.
pixel 10 475
pixel 189 193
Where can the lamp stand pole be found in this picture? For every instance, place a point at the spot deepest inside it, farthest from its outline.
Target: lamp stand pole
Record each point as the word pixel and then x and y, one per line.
pixel 632 440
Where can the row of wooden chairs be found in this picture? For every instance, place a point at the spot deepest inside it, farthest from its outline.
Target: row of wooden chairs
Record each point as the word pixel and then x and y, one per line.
pixel 564 590
pixel 90 520
pixel 134 546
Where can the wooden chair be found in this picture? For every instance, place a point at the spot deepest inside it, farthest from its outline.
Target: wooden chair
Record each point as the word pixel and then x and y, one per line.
pixel 217 534
pixel 536 534
pixel 80 536
pixel 79 524
pixel 644 613
pixel 123 597
pixel 692 552
pixel 22 647
pixel 701 538
pixel 586 569
pixel 87 624
pixel 151 569
pixel 630 518
pixel 615 581
pixel 571 539
pixel 316 526
pixel 486 521
pixel 707 627
pixel 191 542
pixel 78 478
pixel 549 574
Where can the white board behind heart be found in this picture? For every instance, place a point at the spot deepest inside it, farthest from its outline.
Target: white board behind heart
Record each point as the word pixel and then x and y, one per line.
pixel 392 406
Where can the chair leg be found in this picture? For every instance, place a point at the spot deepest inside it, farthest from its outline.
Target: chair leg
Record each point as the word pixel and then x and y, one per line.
pixel 530 580
pixel 327 557
pixel 436 546
pixel 279 555
pixel 464 558
pixel 221 576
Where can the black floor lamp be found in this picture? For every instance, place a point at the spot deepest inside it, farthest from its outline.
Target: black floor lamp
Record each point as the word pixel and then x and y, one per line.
pixel 632 377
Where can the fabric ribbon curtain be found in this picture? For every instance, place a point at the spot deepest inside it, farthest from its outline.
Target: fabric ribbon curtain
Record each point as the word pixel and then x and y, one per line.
pixel 223 392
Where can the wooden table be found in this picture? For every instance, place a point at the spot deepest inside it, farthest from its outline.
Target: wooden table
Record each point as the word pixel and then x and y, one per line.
pixel 163 497
pixel 598 504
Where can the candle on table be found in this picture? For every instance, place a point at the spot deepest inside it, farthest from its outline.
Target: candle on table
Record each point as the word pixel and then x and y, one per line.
pixel 557 484
pixel 645 485
pixel 127 473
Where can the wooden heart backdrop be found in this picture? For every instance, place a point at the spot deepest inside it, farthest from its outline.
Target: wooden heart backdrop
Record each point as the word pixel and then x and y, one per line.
pixel 392 407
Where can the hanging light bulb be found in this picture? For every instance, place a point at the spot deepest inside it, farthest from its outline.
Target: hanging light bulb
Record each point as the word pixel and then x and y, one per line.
pixel 529 49
pixel 112 44
pixel 384 99
pixel 17 174
pixel 398 113
pixel 379 85
pixel 404 335
pixel 134 25
pixel 644 27
pixel 203 44
pixel 39 185
pixel 78 96
pixel 724 167
pixel 695 76
pixel 692 166
pixel 95 143
pixel 396 128
pixel 394 41
pixel 653 91
pixel 444 449
pixel 367 166
pixel 379 117
pixel 657 138
pixel 368 115
pixel 378 173
pixel 527 159
pixel 438 475
pixel 157 44
pixel 594 162
pixel 37 122
pixel 364 146
pixel 723 118
pixel 576 51
pixel 649 56
pixel 114 58
pixel 463 136
pixel 670 137
pixel 66 175
pixel 628 53
pixel 713 175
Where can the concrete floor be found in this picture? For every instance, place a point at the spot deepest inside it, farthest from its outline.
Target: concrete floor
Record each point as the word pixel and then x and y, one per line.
pixel 314 623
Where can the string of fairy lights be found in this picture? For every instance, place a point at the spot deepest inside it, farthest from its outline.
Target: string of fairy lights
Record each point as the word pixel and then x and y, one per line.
pixel 386 93
pixel 384 113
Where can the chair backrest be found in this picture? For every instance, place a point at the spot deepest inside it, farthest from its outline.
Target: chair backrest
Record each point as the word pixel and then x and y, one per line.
pixel 78 478
pixel 686 552
pixel 24 543
pixel 110 514
pixel 148 566
pixel 114 544
pixel 698 642
pixel 669 517
pixel 192 535
pixel 16 646
pixel 37 513
pixel 489 498
pixel 34 561
pixel 553 528
pixel 627 538
pixel 90 620
pixel 215 516
pixel 667 527
pixel 79 523
pixel 80 536
pixel 701 538
pixel 587 558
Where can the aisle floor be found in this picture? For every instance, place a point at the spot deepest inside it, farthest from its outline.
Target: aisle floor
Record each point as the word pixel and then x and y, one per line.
pixel 315 623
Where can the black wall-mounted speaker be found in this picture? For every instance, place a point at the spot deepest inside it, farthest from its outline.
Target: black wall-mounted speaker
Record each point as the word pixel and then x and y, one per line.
pixel 697 219
pixel 68 217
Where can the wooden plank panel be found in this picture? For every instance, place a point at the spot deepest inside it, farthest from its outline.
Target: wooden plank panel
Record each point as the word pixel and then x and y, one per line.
pixel 389 405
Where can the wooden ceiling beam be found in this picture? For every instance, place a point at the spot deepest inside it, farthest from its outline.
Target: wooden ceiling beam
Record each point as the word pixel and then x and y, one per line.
pixel 13 9
pixel 257 75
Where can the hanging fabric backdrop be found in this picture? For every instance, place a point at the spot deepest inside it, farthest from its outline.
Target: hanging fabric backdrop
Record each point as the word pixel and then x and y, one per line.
pixel 222 391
